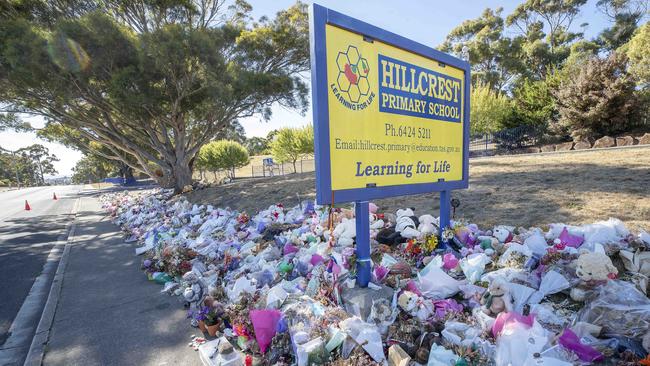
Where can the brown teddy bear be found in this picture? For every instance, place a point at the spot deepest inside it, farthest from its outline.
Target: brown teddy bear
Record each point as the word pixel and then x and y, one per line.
pixel 497 298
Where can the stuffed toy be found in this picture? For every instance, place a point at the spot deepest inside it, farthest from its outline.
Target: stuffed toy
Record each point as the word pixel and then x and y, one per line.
pixel 404 212
pixel 593 269
pixel 338 215
pixel 345 232
pixel 404 229
pixel 424 344
pixel 497 298
pixel 415 305
pixel 194 293
pixel 375 222
pixel 428 225
pixel 408 302
pixel 503 234
pixel 487 242
pixel 466 236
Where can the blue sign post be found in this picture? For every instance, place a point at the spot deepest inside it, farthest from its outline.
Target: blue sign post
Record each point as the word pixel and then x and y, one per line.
pixel 361 211
pixel 391 118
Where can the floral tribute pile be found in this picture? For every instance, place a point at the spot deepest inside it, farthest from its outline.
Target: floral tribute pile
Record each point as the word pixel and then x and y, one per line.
pixel 279 287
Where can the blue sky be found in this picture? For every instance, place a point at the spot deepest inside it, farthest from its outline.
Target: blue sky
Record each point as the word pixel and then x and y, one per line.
pixel 427 22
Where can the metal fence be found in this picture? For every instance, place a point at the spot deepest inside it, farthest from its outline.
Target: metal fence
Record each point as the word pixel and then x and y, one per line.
pixel 506 141
pixel 301 166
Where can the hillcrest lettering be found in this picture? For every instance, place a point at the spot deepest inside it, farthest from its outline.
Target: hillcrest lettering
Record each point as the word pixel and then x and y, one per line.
pixel 411 90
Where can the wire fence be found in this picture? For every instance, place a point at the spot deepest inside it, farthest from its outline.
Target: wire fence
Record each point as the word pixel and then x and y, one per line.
pixel 506 141
pixel 271 170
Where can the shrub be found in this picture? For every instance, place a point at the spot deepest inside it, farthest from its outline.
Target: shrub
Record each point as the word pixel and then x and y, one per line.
pixel 598 100
pixel 290 144
pixel 533 101
pixel 489 110
pixel 224 155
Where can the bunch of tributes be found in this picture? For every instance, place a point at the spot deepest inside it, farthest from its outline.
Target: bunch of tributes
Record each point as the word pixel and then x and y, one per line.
pixel 277 287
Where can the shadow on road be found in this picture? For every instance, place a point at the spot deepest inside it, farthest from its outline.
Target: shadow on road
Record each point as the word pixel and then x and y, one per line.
pixel 23 251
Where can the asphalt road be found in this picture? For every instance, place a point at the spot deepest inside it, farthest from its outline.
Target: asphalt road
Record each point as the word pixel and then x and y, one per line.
pixel 26 238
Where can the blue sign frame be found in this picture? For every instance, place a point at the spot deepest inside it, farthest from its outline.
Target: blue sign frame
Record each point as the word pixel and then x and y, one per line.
pixel 319 17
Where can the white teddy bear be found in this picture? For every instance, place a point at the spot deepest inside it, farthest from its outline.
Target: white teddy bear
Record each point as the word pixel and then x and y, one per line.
pixel 375 222
pixel 345 232
pixel 406 227
pixel 405 224
pixel 428 225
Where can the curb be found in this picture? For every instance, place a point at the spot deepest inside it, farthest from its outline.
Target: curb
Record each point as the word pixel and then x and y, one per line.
pixel 42 335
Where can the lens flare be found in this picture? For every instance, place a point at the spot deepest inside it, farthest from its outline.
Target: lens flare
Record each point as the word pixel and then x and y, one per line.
pixel 68 54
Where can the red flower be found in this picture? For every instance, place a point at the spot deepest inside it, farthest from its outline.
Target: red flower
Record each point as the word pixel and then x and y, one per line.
pixel 185 267
pixel 412 248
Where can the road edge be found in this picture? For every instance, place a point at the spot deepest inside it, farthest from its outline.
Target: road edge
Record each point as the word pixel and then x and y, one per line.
pixel 41 336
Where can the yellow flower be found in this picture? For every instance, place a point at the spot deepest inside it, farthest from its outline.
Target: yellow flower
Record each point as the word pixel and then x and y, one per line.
pixel 430 243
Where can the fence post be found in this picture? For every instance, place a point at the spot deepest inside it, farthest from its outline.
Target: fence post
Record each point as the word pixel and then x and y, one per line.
pixel 252 171
pixel 486 142
pixel 301 165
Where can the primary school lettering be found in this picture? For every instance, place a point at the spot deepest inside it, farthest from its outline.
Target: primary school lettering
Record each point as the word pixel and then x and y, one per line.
pixel 411 90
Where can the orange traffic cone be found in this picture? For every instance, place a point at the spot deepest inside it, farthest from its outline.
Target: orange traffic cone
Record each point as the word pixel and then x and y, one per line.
pixel 54 198
pixel 27 208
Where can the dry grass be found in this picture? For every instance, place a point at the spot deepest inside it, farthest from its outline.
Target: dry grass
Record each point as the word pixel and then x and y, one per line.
pixel 526 190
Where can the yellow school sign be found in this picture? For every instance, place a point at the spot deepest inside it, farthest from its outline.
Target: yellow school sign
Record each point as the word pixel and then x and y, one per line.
pixel 390 114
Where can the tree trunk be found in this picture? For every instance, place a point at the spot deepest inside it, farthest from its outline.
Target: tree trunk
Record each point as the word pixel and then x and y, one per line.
pixel 182 176
pixel 40 168
pixel 294 166
pixel 128 173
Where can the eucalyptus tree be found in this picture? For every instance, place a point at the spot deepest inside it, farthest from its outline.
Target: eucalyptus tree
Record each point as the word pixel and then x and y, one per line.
pixel 546 30
pixel 495 57
pixel 154 81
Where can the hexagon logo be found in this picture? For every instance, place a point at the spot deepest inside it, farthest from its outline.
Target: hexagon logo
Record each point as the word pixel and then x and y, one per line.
pixel 352 79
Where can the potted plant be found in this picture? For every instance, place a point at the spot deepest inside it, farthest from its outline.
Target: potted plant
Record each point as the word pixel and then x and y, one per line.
pixel 200 317
pixel 212 322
